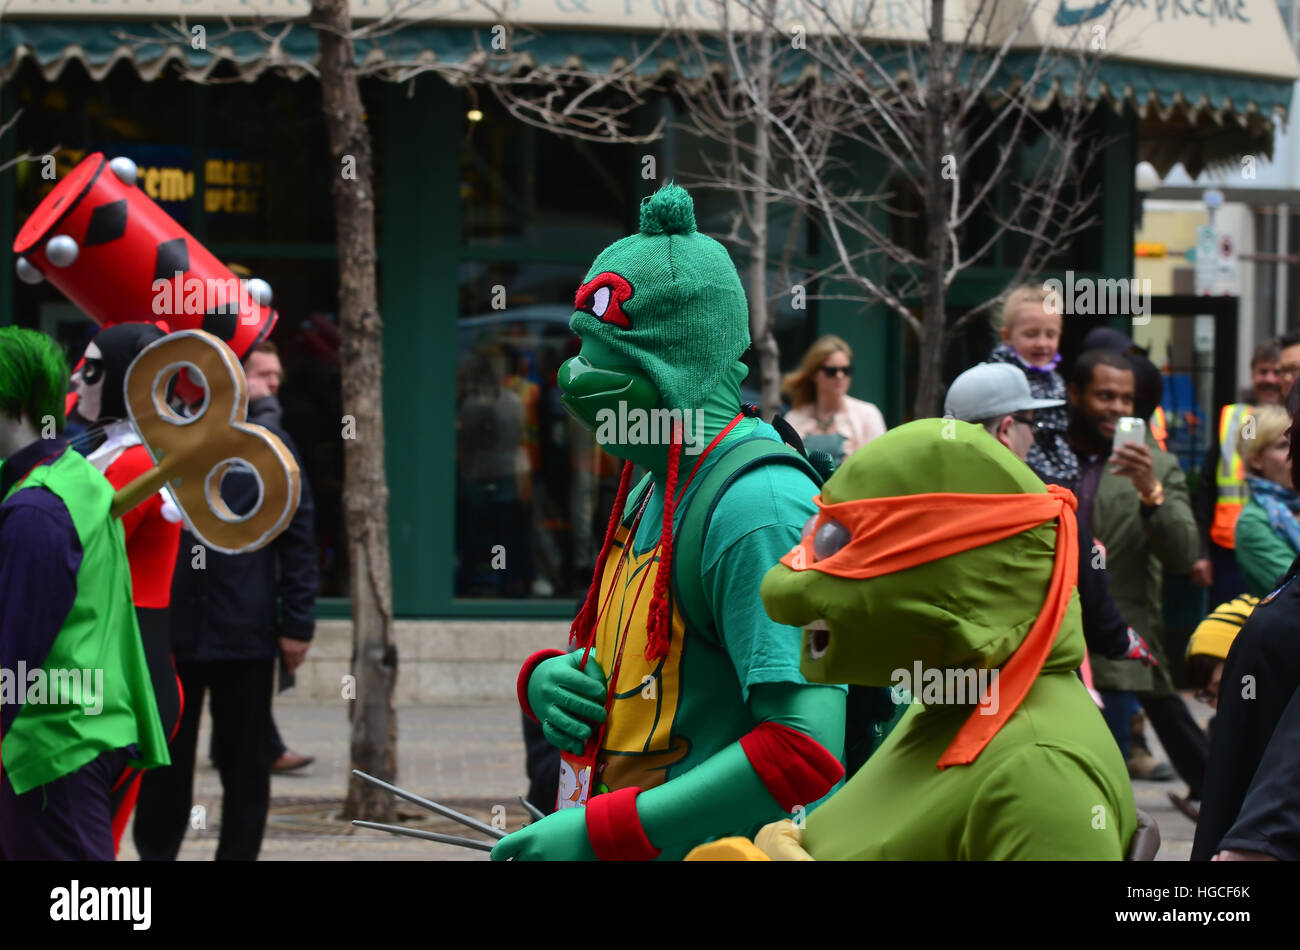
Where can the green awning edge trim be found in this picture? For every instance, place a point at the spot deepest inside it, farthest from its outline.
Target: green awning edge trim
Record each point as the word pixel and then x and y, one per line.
pixel 102 45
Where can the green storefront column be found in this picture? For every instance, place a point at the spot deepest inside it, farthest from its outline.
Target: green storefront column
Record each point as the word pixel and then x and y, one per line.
pixel 1119 202
pixel 7 225
pixel 419 279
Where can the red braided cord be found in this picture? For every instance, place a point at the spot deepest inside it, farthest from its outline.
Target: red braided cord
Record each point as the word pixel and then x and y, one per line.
pixel 660 617
pixel 584 625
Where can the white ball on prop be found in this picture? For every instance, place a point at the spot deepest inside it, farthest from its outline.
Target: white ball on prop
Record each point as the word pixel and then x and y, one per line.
pixel 27 271
pixel 61 250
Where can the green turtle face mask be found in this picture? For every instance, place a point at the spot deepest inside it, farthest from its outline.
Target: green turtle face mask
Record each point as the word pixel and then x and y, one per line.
pixel 622 407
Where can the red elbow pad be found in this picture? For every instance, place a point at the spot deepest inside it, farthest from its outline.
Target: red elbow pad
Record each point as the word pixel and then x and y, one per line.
pixel 521 685
pixel 614 827
pixel 795 768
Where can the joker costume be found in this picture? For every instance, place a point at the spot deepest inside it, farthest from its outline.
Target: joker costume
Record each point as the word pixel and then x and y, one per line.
pixel 675 731
pixel 936 550
pixel 66 626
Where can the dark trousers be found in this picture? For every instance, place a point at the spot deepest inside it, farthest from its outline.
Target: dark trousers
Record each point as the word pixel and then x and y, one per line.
pixel 1228 582
pixel 241 724
pixel 69 819
pixel 1187 744
pixel 1118 712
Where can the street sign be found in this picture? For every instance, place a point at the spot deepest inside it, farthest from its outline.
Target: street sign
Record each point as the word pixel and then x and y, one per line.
pixel 1206 245
pixel 1216 262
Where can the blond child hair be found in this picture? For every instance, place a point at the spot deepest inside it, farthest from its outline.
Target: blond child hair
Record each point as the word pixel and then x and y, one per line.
pixel 1024 295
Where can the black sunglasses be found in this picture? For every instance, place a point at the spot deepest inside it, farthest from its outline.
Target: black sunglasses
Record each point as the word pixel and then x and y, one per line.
pixel 833 371
pixel 1028 421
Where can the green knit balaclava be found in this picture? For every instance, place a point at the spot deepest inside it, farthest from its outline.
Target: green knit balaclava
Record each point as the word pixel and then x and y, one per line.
pixel 669 301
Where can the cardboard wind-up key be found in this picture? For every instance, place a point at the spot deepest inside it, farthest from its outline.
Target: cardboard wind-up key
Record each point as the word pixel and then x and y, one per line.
pixel 193 453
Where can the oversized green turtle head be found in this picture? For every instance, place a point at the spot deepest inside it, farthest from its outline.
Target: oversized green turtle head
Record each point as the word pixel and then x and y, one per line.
pixel 968 610
pixel 663 322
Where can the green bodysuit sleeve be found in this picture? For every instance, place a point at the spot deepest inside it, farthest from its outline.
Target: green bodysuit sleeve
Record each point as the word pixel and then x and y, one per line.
pixel 724 792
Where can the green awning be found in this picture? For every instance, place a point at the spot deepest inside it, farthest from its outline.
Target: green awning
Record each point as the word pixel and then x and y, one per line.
pixel 1194 116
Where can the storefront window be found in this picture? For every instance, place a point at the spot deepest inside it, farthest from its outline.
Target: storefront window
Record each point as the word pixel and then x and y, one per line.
pixel 524 185
pixel 533 489
pixel 307 340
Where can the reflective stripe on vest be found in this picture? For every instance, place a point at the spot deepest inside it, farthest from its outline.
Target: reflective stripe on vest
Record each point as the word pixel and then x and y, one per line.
pixel 1229 476
pixel 1159 431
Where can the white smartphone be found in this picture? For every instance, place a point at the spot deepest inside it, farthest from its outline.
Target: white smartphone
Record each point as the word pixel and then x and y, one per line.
pixel 1129 429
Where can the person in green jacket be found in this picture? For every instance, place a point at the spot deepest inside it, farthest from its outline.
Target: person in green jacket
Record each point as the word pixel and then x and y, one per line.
pixel 939 564
pixel 76 702
pixel 1268 533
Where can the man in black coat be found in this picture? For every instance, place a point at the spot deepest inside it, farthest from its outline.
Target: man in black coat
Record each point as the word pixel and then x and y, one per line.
pixel 1251 806
pixel 231 616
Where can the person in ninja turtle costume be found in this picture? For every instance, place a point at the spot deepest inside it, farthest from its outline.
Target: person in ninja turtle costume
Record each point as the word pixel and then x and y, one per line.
pixel 937 560
pixel 680 711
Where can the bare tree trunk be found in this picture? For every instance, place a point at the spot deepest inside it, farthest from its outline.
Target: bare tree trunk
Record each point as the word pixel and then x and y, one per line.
pixel 934 157
pixel 365 487
pixel 760 310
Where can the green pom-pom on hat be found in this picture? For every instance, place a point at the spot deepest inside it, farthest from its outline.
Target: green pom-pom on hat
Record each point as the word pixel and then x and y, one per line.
pixel 668 211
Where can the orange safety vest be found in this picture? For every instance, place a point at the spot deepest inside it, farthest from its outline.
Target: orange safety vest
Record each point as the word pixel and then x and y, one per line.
pixel 1159 431
pixel 1229 476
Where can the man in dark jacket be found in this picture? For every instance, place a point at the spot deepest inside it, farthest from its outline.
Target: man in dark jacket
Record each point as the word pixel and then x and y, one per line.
pixel 1252 784
pixel 1135 498
pixel 231 616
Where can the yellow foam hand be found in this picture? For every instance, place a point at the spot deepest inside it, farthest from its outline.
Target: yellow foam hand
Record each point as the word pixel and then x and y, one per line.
pixel 727 849
pixel 782 841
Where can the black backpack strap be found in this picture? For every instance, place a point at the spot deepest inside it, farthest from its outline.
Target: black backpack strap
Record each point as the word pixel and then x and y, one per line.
pixel 688 547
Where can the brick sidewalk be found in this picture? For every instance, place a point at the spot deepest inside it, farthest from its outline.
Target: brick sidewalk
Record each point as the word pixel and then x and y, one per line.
pixel 467 755
pixel 470 756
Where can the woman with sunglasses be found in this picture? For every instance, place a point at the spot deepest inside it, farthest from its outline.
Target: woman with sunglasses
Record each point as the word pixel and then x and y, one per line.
pixel 826 417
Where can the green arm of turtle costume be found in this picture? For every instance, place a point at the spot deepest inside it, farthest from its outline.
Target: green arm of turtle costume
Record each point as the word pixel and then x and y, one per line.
pixel 724 792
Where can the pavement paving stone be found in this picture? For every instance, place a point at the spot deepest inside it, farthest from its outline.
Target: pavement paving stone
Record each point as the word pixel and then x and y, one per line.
pixel 466 755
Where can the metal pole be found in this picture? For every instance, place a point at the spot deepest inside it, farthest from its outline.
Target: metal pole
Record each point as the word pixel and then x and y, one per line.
pixel 443 810
pixel 425 835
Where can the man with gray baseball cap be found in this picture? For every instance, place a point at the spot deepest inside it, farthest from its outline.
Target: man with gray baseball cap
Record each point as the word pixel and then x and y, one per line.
pixel 997 397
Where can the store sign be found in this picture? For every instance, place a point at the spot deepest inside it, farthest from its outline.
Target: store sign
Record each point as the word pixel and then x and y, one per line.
pixel 1238 36
pixel 232 185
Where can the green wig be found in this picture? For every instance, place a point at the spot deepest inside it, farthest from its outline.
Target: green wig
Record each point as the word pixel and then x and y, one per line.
pixel 33 377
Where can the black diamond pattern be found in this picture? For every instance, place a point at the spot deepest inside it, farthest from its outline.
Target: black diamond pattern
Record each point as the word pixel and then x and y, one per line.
pixel 173 256
pixel 107 223
pixel 221 324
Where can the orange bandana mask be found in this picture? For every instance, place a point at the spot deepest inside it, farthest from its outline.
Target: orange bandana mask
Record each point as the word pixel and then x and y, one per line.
pixel 887 535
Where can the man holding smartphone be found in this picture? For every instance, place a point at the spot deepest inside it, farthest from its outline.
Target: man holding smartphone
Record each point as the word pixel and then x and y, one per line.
pixel 1135 497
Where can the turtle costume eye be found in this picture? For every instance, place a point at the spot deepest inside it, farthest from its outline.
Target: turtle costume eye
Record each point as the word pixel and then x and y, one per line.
pixel 603 297
pixel 830 537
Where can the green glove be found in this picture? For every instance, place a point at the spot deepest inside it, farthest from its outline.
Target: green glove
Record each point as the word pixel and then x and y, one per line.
pixel 723 793
pixel 561 836
pixel 568 701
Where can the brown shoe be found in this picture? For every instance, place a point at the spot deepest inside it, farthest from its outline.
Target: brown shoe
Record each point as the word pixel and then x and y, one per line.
pixel 291 761
pixel 1190 808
